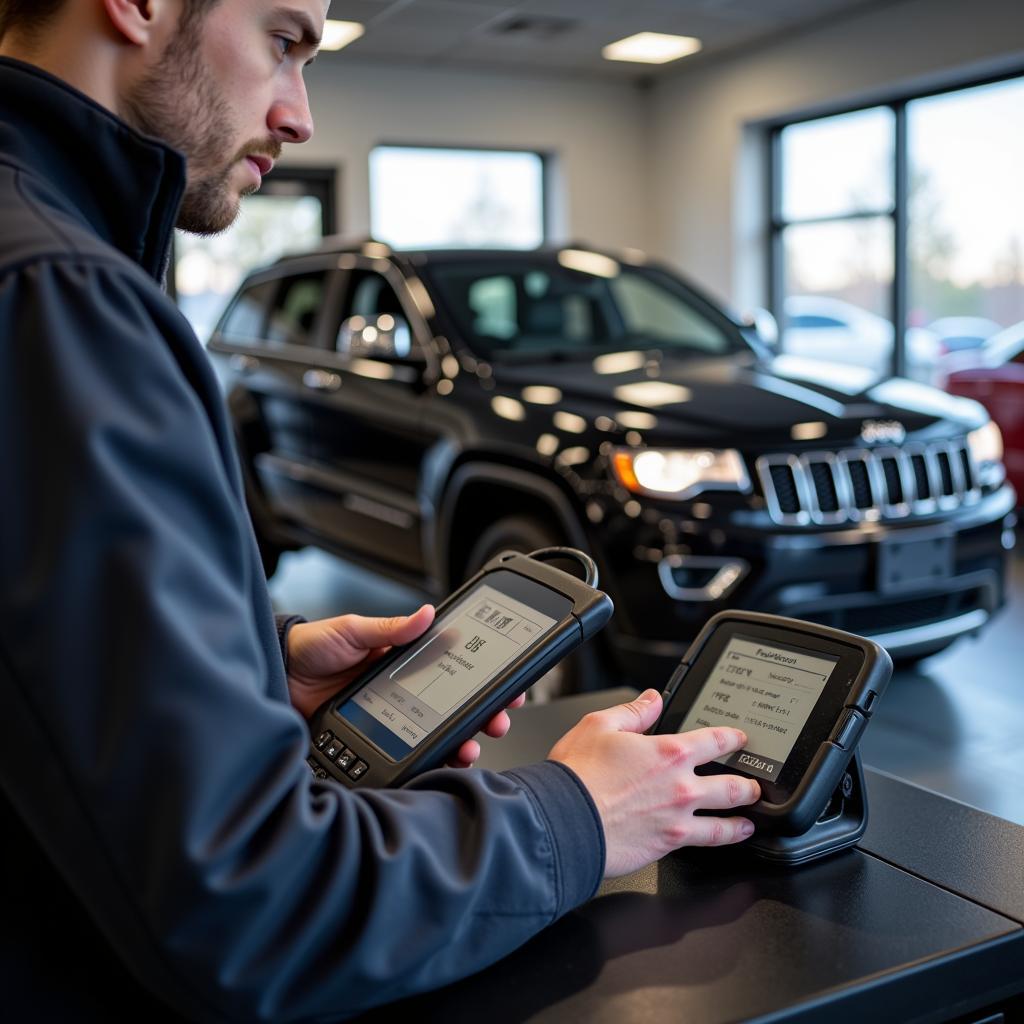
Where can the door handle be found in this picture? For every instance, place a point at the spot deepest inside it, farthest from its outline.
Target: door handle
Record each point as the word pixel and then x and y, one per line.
pixel 244 364
pixel 321 380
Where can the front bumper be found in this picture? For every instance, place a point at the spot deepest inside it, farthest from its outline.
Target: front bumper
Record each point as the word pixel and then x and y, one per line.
pixel 665 593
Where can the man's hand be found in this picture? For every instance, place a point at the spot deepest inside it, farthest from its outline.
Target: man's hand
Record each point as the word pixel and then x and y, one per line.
pixel 645 787
pixel 324 656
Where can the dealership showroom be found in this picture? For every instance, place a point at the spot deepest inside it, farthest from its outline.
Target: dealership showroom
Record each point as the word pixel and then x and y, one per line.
pixel 516 519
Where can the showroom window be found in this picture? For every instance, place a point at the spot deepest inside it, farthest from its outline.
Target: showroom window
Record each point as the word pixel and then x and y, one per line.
pixel 424 197
pixel 292 212
pixel 907 213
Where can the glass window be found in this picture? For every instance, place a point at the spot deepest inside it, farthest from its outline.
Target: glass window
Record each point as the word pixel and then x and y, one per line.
pixel 835 235
pixel 295 309
pixel 839 286
pixel 209 269
pixel 652 312
pixel 535 304
pixel 492 301
pixel 246 319
pixel 428 198
pixel 840 196
pixel 838 165
pixel 966 214
pixel 372 306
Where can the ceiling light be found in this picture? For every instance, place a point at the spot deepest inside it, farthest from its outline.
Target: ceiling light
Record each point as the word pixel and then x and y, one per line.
pixel 651 48
pixel 338 34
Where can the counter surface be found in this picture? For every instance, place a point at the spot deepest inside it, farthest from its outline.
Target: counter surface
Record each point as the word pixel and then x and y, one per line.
pixel 921 923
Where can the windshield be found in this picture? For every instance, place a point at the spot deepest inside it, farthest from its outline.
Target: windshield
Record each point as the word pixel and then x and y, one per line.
pixel 534 307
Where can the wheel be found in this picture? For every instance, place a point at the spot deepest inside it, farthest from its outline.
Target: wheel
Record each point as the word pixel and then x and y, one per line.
pixel 580 671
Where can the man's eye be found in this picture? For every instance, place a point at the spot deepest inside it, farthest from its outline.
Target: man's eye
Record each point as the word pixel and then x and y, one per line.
pixel 284 44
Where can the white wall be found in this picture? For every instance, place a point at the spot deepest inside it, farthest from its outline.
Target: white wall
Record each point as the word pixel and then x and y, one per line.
pixel 596 129
pixel 708 172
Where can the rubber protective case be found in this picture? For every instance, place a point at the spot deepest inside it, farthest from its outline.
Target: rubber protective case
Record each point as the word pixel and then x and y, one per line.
pixel 825 772
pixel 591 609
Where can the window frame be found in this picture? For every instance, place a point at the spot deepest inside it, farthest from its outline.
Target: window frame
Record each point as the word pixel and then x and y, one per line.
pixel 898 212
pixel 547 164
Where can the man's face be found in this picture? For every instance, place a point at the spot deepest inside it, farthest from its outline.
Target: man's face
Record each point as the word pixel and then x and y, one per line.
pixel 228 92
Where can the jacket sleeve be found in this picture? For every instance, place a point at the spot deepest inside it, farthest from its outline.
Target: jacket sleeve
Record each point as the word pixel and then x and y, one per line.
pixel 138 742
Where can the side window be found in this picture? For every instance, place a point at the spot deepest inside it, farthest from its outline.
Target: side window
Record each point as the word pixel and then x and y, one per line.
pixel 295 309
pixel 373 321
pixel 248 313
pixel 492 301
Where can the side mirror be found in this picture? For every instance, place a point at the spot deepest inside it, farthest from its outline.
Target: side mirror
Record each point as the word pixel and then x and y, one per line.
pixel 767 327
pixel 380 337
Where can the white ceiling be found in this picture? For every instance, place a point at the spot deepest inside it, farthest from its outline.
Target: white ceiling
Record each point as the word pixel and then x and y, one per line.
pixel 570 33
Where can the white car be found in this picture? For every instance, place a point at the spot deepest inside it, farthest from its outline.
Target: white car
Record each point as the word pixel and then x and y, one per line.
pixel 819 327
pixel 957 333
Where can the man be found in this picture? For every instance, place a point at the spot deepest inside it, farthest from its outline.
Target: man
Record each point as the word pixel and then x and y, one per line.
pixel 153 741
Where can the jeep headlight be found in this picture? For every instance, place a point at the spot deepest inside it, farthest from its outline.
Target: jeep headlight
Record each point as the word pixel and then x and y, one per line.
pixel 679 474
pixel 986 445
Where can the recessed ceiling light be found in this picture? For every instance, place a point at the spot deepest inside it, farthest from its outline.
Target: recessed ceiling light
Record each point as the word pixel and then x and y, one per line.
pixel 338 34
pixel 651 48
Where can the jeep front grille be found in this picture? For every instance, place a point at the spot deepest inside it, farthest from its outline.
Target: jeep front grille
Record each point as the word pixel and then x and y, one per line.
pixel 858 484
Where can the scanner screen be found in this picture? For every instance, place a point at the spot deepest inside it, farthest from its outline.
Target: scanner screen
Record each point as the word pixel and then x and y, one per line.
pixel 767 691
pixel 451 663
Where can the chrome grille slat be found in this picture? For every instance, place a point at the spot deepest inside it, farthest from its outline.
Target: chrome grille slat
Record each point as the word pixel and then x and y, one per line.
pixel 857 481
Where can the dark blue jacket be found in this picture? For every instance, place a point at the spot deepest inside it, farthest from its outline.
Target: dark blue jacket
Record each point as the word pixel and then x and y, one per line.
pixel 159 812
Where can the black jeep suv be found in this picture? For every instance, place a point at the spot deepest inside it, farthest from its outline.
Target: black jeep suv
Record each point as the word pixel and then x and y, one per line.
pixel 417 411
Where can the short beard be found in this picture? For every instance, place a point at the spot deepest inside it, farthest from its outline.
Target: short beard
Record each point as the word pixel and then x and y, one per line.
pixel 178 103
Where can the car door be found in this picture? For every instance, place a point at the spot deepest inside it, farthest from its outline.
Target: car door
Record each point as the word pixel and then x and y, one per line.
pixel 367 436
pixel 1006 404
pixel 261 352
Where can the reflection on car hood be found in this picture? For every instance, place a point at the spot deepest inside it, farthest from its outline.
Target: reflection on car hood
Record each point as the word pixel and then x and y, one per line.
pixel 742 396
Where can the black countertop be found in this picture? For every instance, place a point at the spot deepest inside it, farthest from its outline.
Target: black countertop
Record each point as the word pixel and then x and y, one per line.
pixel 921 923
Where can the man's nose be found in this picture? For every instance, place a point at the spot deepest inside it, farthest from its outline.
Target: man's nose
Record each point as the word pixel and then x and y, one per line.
pixel 289 118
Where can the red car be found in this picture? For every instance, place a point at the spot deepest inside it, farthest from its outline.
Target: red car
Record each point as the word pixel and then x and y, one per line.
pixel 994 376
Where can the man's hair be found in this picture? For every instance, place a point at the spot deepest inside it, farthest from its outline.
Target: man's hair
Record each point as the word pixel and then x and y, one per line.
pixel 27 15
pixel 31 16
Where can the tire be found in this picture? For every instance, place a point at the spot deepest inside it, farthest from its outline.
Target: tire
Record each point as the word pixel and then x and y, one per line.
pixel 579 671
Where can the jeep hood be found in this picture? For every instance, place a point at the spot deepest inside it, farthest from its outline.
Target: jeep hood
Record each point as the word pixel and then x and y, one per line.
pixel 740 395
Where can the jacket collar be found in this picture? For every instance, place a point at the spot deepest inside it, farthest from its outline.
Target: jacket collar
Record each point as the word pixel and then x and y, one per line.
pixel 123 184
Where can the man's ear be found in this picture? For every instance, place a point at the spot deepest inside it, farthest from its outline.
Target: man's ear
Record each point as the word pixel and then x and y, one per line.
pixel 141 21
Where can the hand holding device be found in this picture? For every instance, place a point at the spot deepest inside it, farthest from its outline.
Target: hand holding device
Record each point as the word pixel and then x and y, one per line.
pixel 803 693
pixel 646 788
pixel 501 631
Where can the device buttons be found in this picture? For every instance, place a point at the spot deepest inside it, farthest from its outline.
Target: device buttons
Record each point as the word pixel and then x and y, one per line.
pixel 849 729
pixel 323 739
pixel 345 760
pixel 358 770
pixel 316 769
pixel 674 681
pixel 333 748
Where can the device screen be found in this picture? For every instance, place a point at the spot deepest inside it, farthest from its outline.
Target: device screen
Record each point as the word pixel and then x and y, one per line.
pixel 766 690
pixel 455 659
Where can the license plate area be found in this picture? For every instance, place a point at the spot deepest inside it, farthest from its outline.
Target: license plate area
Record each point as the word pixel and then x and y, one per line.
pixel 909 561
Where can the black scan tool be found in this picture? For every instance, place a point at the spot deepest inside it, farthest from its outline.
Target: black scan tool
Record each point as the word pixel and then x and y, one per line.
pixel 803 694
pixel 492 639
